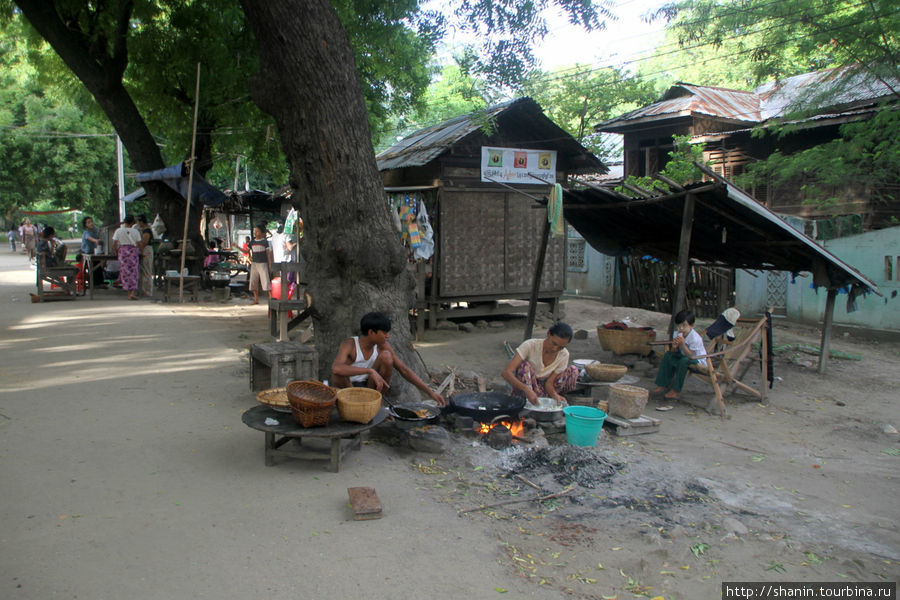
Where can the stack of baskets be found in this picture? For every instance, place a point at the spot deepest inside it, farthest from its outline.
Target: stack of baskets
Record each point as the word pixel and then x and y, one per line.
pixel 627 401
pixel 359 405
pixel 311 402
pixel 605 372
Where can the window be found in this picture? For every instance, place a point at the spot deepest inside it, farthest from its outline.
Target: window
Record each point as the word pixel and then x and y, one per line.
pixel 576 260
pixel 889 267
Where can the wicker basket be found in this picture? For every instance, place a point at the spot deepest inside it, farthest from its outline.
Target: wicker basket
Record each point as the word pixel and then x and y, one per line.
pixel 605 372
pixel 627 401
pixel 626 341
pixel 311 402
pixel 603 405
pixel 276 398
pixel 359 405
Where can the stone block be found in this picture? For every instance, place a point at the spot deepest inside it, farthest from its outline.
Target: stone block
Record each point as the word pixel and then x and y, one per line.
pixel 431 438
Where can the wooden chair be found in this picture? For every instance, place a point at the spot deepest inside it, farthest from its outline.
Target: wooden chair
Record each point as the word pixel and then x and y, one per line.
pixel 279 324
pixel 725 368
pixel 62 276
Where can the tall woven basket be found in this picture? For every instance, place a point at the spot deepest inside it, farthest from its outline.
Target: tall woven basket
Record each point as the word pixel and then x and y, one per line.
pixel 627 401
pixel 311 402
pixel 626 341
pixel 358 405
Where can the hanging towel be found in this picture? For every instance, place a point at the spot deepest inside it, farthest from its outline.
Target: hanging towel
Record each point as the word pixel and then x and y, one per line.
pixel 555 211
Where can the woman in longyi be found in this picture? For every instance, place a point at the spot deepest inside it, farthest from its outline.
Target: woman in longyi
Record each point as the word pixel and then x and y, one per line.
pixel 540 366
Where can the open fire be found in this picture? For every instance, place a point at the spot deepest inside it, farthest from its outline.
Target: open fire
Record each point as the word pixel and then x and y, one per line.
pixel 516 427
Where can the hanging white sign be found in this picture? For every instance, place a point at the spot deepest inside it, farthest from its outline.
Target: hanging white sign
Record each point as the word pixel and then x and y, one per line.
pixel 518 165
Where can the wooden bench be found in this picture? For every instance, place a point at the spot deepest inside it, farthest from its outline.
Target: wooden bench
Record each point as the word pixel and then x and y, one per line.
pixel 279 323
pixel 62 276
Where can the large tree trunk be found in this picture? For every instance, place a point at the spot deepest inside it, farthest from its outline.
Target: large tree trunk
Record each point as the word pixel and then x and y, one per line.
pixel 308 83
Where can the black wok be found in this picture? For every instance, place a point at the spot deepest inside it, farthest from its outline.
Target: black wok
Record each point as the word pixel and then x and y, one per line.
pixel 485 406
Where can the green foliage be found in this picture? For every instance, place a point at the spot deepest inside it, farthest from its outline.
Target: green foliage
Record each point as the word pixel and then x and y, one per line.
pixel 681 167
pixel 695 61
pixel 865 156
pixel 577 98
pixel 450 95
pixel 788 38
pixel 507 30
pixel 53 154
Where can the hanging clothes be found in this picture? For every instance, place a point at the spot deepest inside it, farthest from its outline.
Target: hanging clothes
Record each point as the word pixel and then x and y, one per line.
pixel 425 249
pixel 555 211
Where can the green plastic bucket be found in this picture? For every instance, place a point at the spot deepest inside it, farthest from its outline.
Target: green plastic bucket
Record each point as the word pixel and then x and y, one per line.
pixel 583 425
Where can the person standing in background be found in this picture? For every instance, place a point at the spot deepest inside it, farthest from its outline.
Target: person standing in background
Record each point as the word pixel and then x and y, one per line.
pixel 29 235
pixel 261 262
pixel 125 245
pixel 11 234
pixel 146 248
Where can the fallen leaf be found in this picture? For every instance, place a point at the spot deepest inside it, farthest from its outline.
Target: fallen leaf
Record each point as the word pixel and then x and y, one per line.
pixel 500 590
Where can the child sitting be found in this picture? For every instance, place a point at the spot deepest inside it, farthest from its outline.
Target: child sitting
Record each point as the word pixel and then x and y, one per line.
pixel 686 345
pixel 368 360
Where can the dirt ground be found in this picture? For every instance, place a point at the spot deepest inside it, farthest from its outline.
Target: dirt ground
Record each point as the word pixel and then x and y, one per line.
pixel 127 471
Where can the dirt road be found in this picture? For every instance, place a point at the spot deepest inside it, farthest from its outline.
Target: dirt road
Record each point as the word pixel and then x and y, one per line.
pixel 127 472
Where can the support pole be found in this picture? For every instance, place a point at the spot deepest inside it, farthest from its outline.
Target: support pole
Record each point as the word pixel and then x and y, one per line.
pixel 826 330
pixel 684 256
pixel 536 284
pixel 187 203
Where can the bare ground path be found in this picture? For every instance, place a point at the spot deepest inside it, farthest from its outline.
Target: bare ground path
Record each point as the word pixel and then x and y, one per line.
pixel 126 472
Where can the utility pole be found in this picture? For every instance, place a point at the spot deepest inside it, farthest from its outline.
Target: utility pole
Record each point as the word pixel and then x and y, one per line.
pixel 121 166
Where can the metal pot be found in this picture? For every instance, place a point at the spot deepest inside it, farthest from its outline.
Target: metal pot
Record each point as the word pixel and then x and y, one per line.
pixel 547 411
pixel 485 406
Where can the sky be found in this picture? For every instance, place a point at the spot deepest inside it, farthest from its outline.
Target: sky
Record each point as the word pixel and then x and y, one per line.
pixel 623 40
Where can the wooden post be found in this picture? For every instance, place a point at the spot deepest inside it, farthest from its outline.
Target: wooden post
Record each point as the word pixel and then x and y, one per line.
pixel 421 301
pixel 187 206
pixel 826 330
pixel 684 256
pixel 536 285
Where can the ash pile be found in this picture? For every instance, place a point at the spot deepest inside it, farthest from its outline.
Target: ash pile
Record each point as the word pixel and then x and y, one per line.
pixel 566 465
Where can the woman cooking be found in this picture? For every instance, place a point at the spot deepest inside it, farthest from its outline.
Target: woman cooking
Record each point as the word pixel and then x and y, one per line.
pixel 125 245
pixel 540 366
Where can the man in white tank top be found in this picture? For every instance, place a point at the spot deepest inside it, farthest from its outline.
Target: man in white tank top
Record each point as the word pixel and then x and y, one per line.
pixel 368 360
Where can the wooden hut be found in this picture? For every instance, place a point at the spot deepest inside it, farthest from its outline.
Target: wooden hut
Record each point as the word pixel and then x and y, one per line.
pixel 487 233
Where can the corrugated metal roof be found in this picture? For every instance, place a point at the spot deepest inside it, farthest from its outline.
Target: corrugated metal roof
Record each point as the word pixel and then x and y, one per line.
pixel 730 229
pixel 522 115
pixel 823 89
pixel 423 146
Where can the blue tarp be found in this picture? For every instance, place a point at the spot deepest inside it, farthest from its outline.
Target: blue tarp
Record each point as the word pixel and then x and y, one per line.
pixel 176 177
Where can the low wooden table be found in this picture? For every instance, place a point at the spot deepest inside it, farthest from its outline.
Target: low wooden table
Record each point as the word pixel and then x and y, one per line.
pixel 339 432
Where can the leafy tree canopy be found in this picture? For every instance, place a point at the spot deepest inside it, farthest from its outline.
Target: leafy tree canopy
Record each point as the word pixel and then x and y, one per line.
pixel 788 38
pixel 579 97
pixel 53 154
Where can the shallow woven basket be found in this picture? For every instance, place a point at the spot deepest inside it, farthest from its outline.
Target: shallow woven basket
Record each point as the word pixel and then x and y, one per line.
pixel 359 405
pixel 605 372
pixel 627 401
pixel 311 402
pixel 276 398
pixel 626 341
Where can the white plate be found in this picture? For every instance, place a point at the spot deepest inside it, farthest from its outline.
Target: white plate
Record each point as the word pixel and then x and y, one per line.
pixel 583 362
